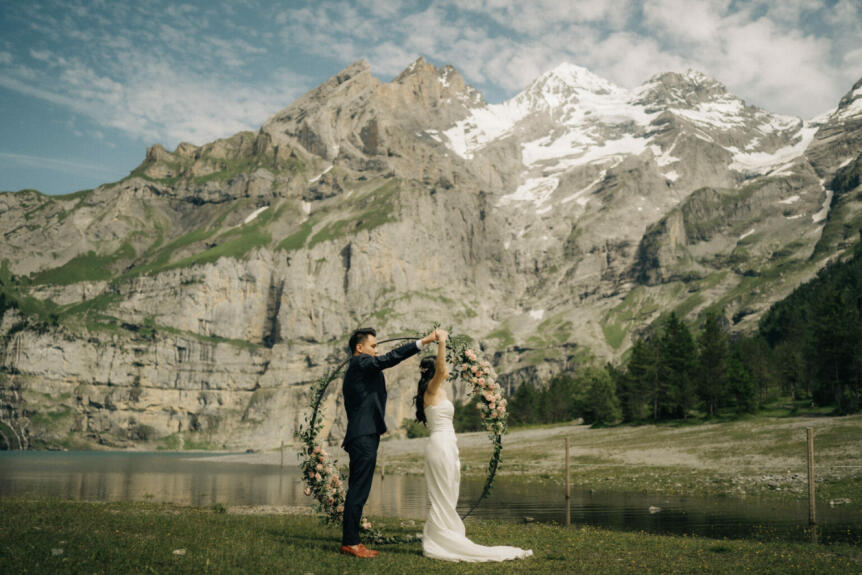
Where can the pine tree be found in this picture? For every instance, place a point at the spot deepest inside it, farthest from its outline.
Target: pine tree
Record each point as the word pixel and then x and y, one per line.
pixel 640 390
pixel 603 405
pixel 741 385
pixel 522 406
pixel 677 368
pixel 836 350
pixel 792 370
pixel 563 399
pixel 712 376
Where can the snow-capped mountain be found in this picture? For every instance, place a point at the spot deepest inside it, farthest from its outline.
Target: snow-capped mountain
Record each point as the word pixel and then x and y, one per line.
pixel 199 297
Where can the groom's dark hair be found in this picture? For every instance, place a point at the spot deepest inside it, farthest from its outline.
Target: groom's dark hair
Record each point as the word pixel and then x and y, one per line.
pixel 359 336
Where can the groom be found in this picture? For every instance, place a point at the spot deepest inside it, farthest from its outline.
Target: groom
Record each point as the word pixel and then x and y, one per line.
pixel 364 391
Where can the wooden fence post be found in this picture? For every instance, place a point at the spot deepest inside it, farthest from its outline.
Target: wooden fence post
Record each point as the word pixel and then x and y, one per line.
pixel 568 490
pixel 812 511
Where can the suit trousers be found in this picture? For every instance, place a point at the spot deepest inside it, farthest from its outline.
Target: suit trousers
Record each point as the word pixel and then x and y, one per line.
pixel 363 457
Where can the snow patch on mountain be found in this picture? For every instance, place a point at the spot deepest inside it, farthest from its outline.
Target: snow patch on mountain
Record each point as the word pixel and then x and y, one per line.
pixel 824 211
pixel 762 162
pixel 579 195
pixel 483 126
pixel 320 175
pixel 724 114
pixel 612 151
pixel 536 190
pixel 851 109
pixel 254 214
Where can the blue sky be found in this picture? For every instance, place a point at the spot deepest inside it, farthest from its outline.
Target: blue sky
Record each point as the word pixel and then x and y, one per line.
pixel 85 87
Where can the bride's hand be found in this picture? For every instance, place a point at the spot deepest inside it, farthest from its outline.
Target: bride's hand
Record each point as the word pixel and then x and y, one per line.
pixel 442 334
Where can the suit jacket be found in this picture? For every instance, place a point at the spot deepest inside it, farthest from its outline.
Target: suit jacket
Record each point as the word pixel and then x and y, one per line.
pixel 364 389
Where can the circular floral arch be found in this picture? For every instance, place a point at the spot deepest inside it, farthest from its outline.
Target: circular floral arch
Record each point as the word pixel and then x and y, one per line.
pixel 325 482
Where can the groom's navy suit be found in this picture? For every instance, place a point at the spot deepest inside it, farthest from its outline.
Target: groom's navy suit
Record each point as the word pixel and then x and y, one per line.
pixel 364 391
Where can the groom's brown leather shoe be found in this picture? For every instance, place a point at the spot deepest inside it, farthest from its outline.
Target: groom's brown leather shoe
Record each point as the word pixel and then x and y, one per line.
pixel 359 551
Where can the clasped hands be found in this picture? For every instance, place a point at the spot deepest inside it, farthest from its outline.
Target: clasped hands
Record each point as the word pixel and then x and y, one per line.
pixel 438 335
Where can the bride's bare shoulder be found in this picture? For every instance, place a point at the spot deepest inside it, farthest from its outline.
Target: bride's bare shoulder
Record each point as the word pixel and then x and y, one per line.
pixel 435 400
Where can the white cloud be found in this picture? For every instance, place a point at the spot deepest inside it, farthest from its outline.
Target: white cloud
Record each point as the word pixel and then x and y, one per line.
pixel 184 74
pixel 539 16
pixel 686 20
pixel 628 59
pixel 64 166
pixel 41 55
pixel 157 102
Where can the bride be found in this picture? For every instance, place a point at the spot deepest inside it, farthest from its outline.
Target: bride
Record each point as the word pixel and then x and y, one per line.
pixel 444 534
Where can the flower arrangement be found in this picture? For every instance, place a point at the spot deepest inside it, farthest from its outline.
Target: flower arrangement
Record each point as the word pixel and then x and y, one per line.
pixel 481 380
pixel 322 478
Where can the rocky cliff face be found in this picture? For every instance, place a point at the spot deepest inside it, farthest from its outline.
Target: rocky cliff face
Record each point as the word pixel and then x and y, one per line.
pixel 193 303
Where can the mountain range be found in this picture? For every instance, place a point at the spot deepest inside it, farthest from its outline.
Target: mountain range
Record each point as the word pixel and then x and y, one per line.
pixel 192 303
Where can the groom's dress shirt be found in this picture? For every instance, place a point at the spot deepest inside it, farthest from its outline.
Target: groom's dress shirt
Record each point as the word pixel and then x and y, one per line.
pixel 364 389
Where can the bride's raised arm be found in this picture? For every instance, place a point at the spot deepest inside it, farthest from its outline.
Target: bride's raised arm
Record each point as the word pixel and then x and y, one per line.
pixel 441 374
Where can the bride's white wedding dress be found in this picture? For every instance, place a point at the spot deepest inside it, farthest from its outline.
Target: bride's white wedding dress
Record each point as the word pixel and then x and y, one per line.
pixel 443 537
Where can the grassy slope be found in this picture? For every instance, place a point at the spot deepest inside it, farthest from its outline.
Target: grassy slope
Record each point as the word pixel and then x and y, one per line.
pixel 76 537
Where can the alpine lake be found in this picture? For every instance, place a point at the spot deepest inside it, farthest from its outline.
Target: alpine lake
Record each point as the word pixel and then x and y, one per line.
pixel 204 480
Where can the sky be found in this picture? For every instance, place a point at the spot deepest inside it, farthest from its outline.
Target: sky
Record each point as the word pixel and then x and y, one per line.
pixel 87 86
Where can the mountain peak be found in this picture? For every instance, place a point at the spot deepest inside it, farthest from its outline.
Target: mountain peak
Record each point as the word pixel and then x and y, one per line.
pixel 573 77
pixel 418 67
pixel 566 84
pixel 687 89
pixel 850 106
pixel 435 85
pixel 691 78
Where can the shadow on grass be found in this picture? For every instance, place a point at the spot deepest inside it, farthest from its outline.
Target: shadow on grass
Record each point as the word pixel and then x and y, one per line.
pixel 333 543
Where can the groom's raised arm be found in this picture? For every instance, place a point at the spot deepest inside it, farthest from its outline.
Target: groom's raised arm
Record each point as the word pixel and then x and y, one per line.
pixel 390 359
pixel 395 356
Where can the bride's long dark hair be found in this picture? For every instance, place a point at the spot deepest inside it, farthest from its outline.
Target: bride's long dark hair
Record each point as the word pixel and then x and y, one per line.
pixel 427 368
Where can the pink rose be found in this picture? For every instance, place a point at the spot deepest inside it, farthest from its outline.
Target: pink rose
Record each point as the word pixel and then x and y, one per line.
pixel 479 406
pixel 502 409
pixel 492 405
pixel 319 466
pixel 317 476
pixel 308 491
pixel 493 413
pixel 474 369
pixel 311 475
pixel 316 449
pixel 340 508
pixel 482 382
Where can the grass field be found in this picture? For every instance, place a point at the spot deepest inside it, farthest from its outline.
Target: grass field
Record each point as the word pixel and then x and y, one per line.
pixel 763 456
pixel 79 537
